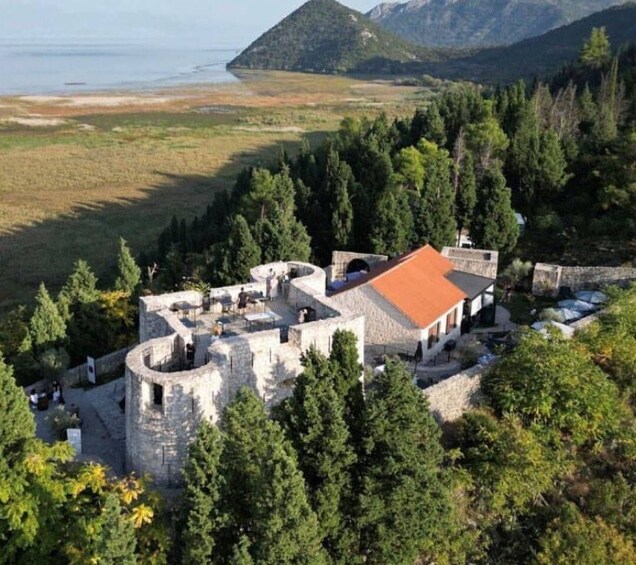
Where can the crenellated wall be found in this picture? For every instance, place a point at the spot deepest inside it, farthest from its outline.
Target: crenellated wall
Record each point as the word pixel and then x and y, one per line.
pixel 157 436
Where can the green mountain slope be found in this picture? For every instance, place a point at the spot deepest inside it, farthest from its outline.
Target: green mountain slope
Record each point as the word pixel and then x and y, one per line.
pixel 323 36
pixel 471 23
pixel 540 56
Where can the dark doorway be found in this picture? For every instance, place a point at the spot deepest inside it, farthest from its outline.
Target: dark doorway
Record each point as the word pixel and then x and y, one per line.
pixel 357 265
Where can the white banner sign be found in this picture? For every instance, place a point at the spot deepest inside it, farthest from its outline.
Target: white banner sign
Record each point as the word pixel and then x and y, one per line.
pixel 74 437
pixel 92 373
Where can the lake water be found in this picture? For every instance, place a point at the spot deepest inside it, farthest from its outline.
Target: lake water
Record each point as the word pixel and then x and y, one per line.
pixel 64 67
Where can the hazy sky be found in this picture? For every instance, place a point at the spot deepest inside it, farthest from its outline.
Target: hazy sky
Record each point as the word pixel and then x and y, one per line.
pixel 232 23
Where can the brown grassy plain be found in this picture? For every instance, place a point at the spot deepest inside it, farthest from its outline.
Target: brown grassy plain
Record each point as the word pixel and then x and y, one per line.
pixel 112 164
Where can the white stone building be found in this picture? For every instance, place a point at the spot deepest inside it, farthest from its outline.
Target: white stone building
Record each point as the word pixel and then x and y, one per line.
pixel 408 301
pixel 260 347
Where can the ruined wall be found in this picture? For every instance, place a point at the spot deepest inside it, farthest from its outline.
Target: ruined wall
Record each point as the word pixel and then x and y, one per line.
pixel 481 262
pixel 340 261
pixel 449 399
pixel 548 279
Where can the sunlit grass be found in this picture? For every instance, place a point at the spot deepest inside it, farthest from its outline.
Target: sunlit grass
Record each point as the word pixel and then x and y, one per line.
pixel 70 190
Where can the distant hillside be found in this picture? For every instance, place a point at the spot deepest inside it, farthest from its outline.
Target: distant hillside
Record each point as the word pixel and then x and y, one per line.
pixel 323 36
pixel 540 56
pixel 471 23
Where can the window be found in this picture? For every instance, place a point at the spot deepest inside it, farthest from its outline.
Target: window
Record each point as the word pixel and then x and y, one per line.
pixel 451 321
pixel 433 334
pixel 157 395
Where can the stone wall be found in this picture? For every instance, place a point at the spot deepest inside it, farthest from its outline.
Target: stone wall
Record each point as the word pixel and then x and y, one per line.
pixel 106 364
pixel 340 260
pixel 481 262
pixel 383 323
pixel 157 436
pixel 548 279
pixel 449 399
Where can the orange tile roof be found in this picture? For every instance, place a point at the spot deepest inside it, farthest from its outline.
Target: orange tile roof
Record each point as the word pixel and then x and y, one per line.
pixel 415 284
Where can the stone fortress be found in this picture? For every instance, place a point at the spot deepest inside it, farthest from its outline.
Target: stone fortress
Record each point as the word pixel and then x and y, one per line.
pixel 167 398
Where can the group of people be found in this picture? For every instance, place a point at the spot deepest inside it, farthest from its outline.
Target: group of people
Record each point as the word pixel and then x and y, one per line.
pixel 36 400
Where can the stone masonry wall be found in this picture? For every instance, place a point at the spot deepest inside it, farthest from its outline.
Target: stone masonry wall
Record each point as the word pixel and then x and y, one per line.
pixel 481 262
pixel 105 364
pixel 158 435
pixel 384 324
pixel 340 260
pixel 449 399
pixel 548 279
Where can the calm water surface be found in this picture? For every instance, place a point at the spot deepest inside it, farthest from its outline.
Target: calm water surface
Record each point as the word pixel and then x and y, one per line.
pixel 58 67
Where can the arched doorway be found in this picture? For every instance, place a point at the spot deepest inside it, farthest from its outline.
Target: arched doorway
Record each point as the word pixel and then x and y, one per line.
pixel 357 265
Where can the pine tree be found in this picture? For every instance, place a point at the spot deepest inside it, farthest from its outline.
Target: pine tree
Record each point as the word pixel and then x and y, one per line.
pixel 263 500
pixel 596 51
pixel 319 434
pixel 129 277
pixel 80 288
pixel 238 254
pixel 466 197
pixel 494 225
pixel 47 327
pixel 404 497
pixel 201 496
pixel 115 543
pixel 409 168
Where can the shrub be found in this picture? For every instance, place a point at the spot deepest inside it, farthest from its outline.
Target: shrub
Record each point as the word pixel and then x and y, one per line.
pixel 61 420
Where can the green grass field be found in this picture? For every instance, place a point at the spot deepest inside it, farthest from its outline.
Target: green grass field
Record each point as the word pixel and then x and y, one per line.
pixel 69 190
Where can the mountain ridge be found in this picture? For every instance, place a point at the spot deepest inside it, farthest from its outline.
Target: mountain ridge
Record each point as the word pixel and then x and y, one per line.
pixel 479 23
pixel 324 36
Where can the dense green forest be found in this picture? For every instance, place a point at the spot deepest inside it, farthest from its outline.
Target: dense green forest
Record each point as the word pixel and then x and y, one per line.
pixel 544 472
pixel 561 155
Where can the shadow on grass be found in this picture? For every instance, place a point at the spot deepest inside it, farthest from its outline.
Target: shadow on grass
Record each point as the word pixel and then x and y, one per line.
pixel 46 250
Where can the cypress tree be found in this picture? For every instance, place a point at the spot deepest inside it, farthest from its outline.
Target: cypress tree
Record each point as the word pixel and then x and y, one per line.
pixel 129 277
pixel 319 434
pixel 16 421
pixel 438 198
pixel 404 498
pixel 341 217
pixel 47 327
pixel 201 496
pixel 346 371
pixel 392 225
pixel 494 225
pixel 263 499
pixel 238 254
pixel 466 197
